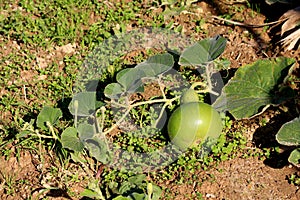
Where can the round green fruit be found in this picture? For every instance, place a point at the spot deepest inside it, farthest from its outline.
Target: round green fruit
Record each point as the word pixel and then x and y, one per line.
pixel 193 122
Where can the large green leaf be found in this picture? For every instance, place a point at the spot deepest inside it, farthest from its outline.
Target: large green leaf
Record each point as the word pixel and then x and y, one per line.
pixel 203 51
pixel 156 65
pixel 48 114
pixel 294 157
pixel 70 140
pixel 253 87
pixel 86 131
pixel 97 149
pixel 289 133
pixel 113 90
pixel 84 103
pixel 130 79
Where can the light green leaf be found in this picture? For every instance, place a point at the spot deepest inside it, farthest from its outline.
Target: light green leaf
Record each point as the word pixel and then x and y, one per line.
pixel 86 131
pixel 48 114
pixel 156 65
pixel 130 79
pixel 113 90
pixel 294 157
pixel 120 197
pixel 125 187
pixel 203 51
pixel 252 89
pixel 156 193
pixel 137 179
pixel 137 196
pixel 98 149
pixel 77 156
pixel 70 140
pixel 91 194
pixel 289 133
pixel 84 104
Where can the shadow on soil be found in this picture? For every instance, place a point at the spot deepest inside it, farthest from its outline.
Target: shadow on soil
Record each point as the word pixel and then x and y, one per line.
pixel 56 193
pixel 271 12
pixel 265 137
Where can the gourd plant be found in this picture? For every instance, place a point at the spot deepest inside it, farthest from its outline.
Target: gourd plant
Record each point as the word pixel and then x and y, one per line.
pixel 86 107
pixel 257 86
pixel 98 113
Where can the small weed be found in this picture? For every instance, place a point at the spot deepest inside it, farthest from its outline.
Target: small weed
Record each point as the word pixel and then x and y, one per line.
pixel 8 182
pixel 294 179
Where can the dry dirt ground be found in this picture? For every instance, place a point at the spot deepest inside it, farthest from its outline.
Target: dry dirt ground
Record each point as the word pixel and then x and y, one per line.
pixel 239 178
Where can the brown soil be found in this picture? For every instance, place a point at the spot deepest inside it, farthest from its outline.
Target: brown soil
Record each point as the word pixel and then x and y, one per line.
pixel 242 179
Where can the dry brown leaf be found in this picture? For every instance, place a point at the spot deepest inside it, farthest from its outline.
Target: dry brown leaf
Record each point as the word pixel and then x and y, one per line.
pixel 290 37
pixel 291 40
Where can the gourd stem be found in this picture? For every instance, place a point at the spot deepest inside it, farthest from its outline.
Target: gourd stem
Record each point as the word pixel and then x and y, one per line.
pixel 166 101
pixel 160 114
pixel 118 122
pixel 196 84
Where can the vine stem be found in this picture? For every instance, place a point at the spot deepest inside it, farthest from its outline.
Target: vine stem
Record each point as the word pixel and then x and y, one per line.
pixel 76 105
pixel 208 73
pixel 101 121
pixel 194 85
pixel 161 88
pixel 118 122
pixel 209 84
pixel 169 101
pixel 166 101
pixel 160 114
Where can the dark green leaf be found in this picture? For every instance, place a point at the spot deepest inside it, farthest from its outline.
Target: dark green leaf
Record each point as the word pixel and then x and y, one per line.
pixel 70 140
pixel 289 133
pixel 156 65
pixel 253 87
pixel 48 114
pixel 294 157
pixel 203 51
pixel 113 90
pixel 87 104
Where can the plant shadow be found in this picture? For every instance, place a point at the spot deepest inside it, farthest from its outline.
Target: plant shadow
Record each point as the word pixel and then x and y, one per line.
pixel 55 193
pixel 271 12
pixel 265 138
pixel 63 105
